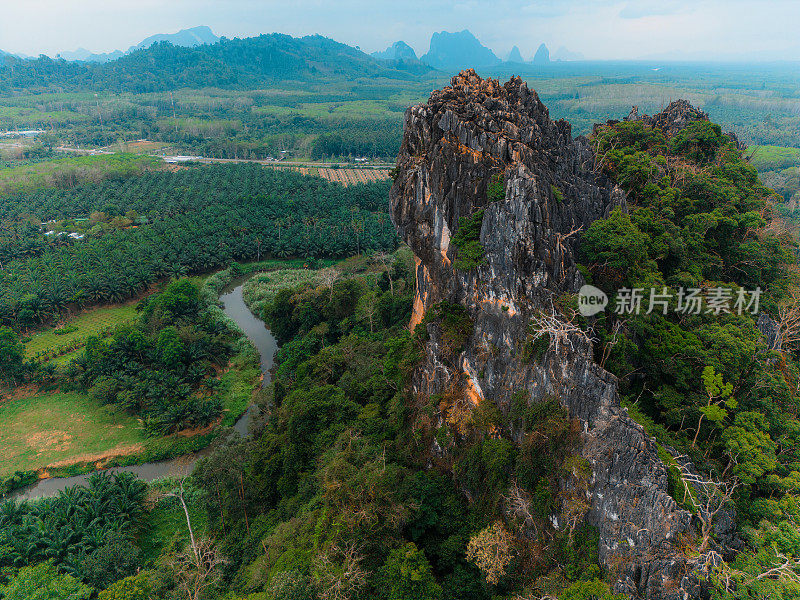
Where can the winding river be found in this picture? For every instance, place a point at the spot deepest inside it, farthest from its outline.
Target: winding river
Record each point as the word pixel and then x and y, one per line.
pixel 234 306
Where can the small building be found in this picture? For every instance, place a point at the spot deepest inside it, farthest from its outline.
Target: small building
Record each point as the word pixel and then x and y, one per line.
pixel 28 133
pixel 181 159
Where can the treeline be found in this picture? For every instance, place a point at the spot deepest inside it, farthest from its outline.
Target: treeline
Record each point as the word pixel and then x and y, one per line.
pixel 229 63
pixel 380 138
pixel 198 219
pixel 258 136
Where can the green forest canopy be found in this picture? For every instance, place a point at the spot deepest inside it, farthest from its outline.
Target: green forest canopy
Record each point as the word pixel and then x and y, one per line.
pixel 197 219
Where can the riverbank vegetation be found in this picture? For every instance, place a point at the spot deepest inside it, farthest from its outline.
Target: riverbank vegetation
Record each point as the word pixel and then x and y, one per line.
pixel 57 433
pixel 145 390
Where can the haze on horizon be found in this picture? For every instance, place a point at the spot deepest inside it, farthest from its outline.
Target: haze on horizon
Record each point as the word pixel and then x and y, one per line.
pixel 599 29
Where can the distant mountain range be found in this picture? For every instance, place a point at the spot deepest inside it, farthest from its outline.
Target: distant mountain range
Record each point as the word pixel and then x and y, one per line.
pixel 397 51
pixel 449 51
pixel 185 38
pixel 196 57
pixel 243 63
pixel 515 56
pixel 453 51
pixel 562 54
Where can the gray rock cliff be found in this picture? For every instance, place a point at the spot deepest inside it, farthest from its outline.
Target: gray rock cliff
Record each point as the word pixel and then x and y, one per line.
pixel 452 147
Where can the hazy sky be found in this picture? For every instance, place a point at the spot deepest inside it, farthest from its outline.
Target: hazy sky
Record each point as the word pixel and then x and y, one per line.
pixel 714 29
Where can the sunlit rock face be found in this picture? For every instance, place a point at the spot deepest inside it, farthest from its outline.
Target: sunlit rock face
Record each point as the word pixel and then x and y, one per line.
pixel 452 147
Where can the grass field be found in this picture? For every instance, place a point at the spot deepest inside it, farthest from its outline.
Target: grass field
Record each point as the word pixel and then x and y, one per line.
pixel 15 180
pixel 46 429
pixel 65 429
pixel 92 322
pixel 773 158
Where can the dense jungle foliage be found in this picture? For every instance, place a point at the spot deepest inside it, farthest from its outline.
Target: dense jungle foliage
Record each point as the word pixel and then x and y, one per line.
pixel 160 224
pixel 331 497
pixel 716 385
pixel 63 547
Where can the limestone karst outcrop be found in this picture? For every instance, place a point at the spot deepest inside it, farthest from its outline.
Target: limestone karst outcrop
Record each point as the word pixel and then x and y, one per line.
pixel 465 135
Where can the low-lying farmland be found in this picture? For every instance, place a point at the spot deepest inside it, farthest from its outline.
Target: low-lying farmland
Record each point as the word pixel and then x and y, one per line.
pixel 72 334
pixel 49 429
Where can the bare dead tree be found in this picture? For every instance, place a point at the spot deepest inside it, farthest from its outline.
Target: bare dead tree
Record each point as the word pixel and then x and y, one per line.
pixel 180 495
pixel 785 569
pixel 517 505
pixel 184 467
pixel 777 226
pixel 609 345
pixel 598 165
pixel 707 497
pixel 198 569
pixel 328 277
pixel 338 573
pixel 788 323
pixel 367 308
pixel 560 331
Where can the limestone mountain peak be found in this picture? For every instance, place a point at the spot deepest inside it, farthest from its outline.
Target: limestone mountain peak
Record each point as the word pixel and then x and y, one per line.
pixel 485 155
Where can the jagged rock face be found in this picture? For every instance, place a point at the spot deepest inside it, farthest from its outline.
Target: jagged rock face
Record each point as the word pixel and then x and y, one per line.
pixel 452 146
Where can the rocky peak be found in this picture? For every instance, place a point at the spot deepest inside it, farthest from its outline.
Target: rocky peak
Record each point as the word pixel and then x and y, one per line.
pixel 472 133
pixel 672 119
pixel 450 51
pixel 515 56
pixel 477 129
pixel 542 56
